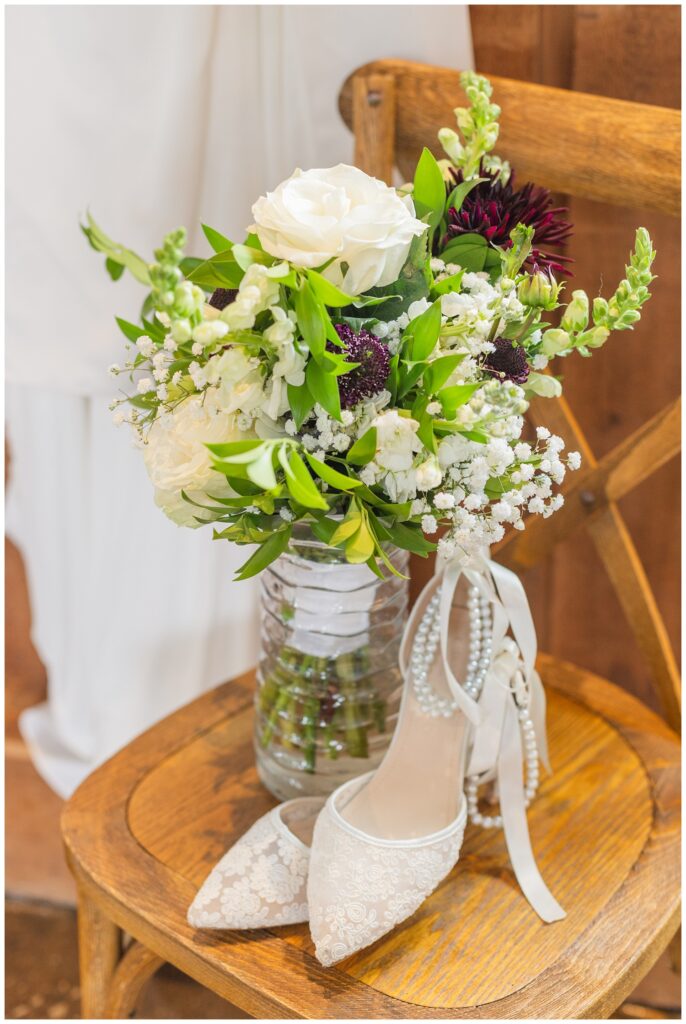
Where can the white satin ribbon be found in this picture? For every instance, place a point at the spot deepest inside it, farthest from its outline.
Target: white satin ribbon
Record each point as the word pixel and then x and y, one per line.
pixel 511 683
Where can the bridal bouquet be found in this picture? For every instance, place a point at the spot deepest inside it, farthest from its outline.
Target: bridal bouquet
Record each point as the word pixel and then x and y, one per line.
pixel 362 361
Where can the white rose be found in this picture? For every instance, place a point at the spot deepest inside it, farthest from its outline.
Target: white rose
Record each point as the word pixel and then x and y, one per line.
pixel 177 460
pixel 341 214
pixel 396 440
pixel 429 474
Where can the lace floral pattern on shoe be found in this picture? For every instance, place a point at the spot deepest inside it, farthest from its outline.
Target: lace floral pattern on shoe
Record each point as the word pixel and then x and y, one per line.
pixel 359 888
pixel 260 881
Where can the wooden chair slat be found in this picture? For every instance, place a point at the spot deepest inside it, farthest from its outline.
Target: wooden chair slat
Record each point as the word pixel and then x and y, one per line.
pixel 594 486
pixel 618 554
pixel 640 143
pixel 374 124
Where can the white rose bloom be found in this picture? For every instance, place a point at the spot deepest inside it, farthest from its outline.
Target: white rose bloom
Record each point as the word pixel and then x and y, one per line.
pixel 429 474
pixel 341 214
pixel 239 380
pixel 396 440
pixel 177 460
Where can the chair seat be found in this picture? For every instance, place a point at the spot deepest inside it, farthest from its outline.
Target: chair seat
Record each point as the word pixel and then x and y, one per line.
pixel 143 831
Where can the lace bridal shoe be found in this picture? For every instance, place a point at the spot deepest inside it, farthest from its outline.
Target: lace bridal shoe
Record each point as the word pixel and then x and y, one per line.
pixel 261 880
pixel 384 842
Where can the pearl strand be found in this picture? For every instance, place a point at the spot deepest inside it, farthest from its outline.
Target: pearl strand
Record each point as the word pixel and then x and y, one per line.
pixel 480 652
pixel 426 642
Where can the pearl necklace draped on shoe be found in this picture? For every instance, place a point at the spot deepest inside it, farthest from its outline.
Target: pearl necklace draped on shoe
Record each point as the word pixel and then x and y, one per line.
pixel 504 700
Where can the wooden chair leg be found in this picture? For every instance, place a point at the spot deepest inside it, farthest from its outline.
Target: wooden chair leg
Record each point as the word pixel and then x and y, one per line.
pixel 99 948
pixel 133 970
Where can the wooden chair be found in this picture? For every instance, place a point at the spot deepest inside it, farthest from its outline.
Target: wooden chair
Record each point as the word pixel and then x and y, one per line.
pixel 143 830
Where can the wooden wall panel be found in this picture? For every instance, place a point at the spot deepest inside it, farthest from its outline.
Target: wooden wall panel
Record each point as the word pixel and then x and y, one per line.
pixel 609 51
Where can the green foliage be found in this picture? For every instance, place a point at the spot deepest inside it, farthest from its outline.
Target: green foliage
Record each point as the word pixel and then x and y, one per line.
pixel 117 255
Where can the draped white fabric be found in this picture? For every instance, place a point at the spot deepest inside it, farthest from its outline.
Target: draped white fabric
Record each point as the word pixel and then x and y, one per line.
pixel 152 116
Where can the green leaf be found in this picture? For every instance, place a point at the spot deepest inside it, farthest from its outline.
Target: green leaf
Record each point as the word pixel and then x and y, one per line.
pixel 439 370
pixel 261 470
pixel 324 528
pixel 424 331
pixel 228 449
pixel 219 242
pixel 428 193
pixel 409 374
pixel 219 271
pixel 116 252
pixel 361 545
pixel 452 398
pixel 373 300
pixel 346 529
pixel 411 539
pixel 245 256
pixel 300 483
pixel 131 331
pixel 425 432
pixel 324 388
pixel 114 269
pixel 327 292
pixel 265 554
pixel 449 284
pixel 300 401
pixel 331 476
pixel 460 193
pixel 310 320
pixel 469 251
pixel 364 449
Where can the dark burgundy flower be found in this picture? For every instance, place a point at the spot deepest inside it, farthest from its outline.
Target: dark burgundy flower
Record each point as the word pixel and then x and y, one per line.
pixel 221 297
pixel 507 362
pixel 371 375
pixel 492 209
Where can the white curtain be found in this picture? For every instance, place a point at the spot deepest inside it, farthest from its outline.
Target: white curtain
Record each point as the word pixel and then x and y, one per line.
pixel 151 117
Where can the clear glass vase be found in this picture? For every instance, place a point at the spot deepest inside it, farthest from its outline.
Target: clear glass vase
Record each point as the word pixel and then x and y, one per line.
pixel 328 682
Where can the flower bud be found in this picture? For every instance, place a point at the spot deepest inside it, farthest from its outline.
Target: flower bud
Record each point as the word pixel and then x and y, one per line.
pixel 539 291
pixel 450 141
pixel 596 337
pixel 600 309
pixel 555 341
pixel 576 313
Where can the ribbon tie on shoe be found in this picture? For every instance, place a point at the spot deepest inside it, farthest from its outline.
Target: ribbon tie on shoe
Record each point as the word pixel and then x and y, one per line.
pixel 511 684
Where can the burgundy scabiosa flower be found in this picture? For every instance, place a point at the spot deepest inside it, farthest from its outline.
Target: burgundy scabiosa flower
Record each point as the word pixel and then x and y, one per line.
pixel 507 361
pixel 493 209
pixel 371 375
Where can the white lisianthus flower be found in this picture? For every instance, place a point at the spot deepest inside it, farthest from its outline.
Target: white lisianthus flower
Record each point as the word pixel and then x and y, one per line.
pixel 429 474
pixel 177 460
pixel 238 378
pixel 396 440
pixel 341 214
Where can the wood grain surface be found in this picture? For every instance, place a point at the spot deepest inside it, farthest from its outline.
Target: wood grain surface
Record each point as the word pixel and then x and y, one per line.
pixel 142 832
pixel 589 134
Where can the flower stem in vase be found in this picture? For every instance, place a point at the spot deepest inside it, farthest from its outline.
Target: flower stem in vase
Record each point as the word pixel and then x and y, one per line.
pixel 355 734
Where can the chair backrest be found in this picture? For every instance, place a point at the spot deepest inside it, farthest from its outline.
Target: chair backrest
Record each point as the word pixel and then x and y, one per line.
pixel 554 137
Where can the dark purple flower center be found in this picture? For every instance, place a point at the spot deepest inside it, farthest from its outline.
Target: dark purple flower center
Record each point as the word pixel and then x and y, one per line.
pixel 492 209
pixel 371 375
pixel 221 297
pixel 507 361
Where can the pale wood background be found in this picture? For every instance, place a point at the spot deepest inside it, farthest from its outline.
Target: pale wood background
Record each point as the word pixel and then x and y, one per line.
pixel 631 53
